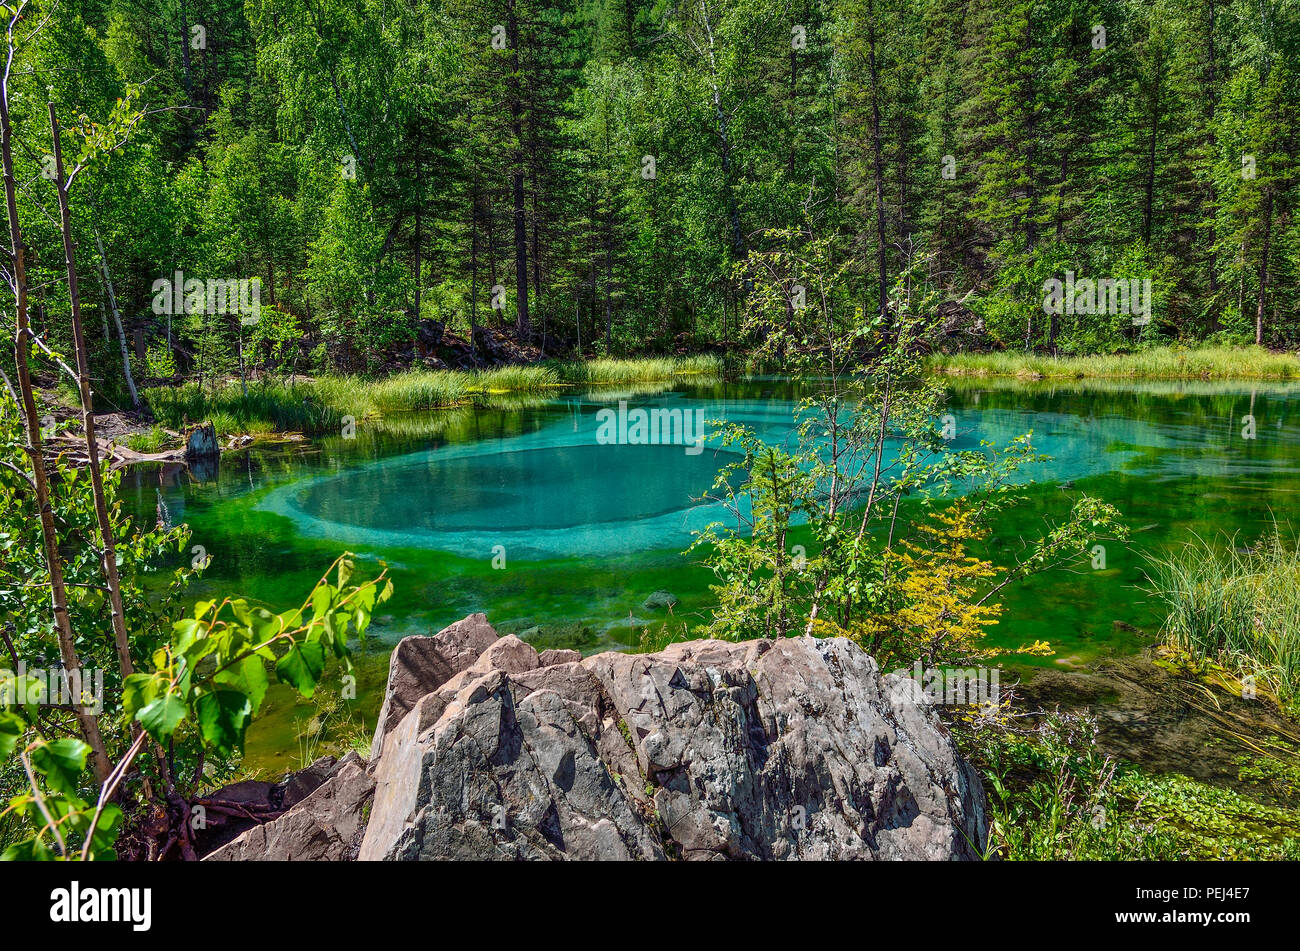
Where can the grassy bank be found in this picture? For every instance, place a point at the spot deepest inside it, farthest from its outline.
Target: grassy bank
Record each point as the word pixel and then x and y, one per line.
pixel 1053 797
pixel 1236 608
pixel 319 405
pixel 1160 363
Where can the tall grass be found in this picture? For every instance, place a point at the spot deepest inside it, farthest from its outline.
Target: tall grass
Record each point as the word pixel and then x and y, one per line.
pixel 439 389
pixel 1157 363
pixel 309 407
pixel 153 439
pixel 1236 607
pixel 319 405
pixel 647 370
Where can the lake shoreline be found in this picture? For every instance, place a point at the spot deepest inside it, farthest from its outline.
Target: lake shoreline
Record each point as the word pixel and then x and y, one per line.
pixel 1156 363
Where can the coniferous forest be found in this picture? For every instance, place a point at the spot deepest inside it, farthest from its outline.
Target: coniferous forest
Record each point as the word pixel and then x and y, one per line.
pixel 589 176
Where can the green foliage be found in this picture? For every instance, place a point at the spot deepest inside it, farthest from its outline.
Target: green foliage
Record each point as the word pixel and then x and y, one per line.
pixel 370 165
pixel 1054 797
pixel 151 440
pixel 286 407
pixel 275 336
pixel 54 804
pixel 1236 608
pixel 353 284
pixel 160 362
pixel 199 677
pixel 213 673
pixel 871 436
pixel 1157 363
pixel 149 592
pixel 318 406
pixel 207 684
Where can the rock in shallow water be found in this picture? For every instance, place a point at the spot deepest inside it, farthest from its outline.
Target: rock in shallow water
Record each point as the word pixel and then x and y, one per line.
pixel 659 600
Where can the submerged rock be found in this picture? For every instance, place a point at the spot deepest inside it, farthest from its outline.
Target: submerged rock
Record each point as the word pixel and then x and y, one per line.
pixel 659 600
pixel 789 749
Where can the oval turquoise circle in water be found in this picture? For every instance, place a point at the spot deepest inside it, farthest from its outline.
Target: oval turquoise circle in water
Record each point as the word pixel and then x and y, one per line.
pixel 542 489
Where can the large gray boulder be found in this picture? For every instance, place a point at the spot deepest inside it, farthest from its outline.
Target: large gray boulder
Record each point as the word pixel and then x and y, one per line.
pixel 788 749
pixel 420 665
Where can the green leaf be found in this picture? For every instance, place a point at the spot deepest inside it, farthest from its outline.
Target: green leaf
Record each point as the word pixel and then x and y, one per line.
pixel 12 728
pixel 301 667
pixel 249 677
pixel 161 717
pixel 320 599
pixel 29 850
pixel 61 763
pixel 361 622
pixel 199 649
pixel 110 821
pixel 32 689
pixel 138 691
pixel 223 716
pixel 264 625
pixel 186 631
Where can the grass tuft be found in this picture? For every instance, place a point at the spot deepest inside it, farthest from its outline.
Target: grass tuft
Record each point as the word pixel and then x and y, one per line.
pixel 1157 363
pixel 1238 608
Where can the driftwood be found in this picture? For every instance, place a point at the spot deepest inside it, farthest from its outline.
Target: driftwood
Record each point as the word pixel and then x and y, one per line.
pixel 110 452
pixel 114 454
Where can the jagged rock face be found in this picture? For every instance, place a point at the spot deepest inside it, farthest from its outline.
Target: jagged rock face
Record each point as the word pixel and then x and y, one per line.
pixel 420 665
pixel 325 825
pixel 789 749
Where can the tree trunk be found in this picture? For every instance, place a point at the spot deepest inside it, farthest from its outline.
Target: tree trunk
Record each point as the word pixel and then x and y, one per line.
pixel 117 317
pixel 724 140
pixel 1149 202
pixel 108 546
pixel 418 241
pixel 1263 266
pixel 609 248
pixel 1212 103
pixel 473 256
pixel 878 162
pixel 1031 224
pixel 185 53
pixel 49 533
pixel 522 327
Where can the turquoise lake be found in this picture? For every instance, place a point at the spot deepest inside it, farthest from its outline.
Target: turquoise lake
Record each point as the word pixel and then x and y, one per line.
pixel 522 512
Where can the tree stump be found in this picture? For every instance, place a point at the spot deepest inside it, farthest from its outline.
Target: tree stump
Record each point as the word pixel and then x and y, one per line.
pixel 201 442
